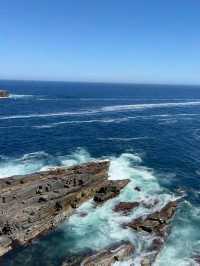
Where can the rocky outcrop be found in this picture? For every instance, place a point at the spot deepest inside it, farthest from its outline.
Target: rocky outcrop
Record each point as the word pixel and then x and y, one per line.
pixel 33 204
pixel 110 190
pixel 4 94
pixel 107 257
pixel 156 224
pixel 125 207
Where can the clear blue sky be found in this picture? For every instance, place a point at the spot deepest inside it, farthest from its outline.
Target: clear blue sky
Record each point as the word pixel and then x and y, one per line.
pixel 101 40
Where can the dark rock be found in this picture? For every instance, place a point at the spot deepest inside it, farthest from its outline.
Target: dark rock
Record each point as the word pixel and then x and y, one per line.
pixel 125 207
pixel 196 258
pixel 4 94
pixel 109 190
pixel 137 189
pixel 43 198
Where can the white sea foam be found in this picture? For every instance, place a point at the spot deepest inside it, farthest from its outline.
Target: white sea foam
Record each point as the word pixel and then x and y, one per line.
pixel 40 161
pixel 12 127
pixel 28 116
pixel 184 239
pixel 52 125
pixel 26 164
pixel 122 139
pixel 20 96
pixel 102 226
pixel 167 121
pixel 115 108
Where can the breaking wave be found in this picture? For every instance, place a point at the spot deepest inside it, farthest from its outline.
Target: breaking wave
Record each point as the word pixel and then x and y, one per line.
pixel 39 161
pixel 101 226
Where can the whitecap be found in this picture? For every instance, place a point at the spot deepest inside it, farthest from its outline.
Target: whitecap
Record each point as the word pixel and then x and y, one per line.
pixel 40 161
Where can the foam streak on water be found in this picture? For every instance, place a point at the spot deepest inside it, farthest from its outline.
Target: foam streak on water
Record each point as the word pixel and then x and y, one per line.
pixel 113 108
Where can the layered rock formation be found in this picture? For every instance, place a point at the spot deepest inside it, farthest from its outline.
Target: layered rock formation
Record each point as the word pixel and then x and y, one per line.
pixel 156 222
pixel 4 94
pixel 106 257
pixel 36 203
pixel 33 204
pixel 157 225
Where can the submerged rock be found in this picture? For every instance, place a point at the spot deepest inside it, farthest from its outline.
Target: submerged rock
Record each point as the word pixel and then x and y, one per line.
pixel 33 204
pixel 4 94
pixel 126 207
pixel 105 257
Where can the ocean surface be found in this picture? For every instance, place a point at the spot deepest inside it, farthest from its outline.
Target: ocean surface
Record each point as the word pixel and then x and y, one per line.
pixel 151 134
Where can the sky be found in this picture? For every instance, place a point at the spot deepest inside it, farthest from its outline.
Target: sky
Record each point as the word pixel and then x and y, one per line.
pixel 140 41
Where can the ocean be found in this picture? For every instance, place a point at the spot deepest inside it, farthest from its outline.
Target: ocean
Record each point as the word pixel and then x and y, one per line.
pixel 151 134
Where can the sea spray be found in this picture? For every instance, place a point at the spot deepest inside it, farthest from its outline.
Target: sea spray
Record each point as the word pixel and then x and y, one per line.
pixel 101 226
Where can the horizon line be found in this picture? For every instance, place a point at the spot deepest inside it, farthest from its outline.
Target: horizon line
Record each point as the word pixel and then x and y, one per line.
pixel 103 82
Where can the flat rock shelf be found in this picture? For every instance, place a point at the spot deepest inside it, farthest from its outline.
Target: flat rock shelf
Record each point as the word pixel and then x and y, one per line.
pixel 34 204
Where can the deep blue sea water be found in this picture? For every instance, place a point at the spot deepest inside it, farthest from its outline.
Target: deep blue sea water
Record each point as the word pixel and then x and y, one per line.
pixel 151 133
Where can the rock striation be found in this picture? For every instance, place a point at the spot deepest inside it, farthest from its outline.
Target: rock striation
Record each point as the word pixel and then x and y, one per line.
pixel 36 203
pixel 106 257
pixel 4 94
